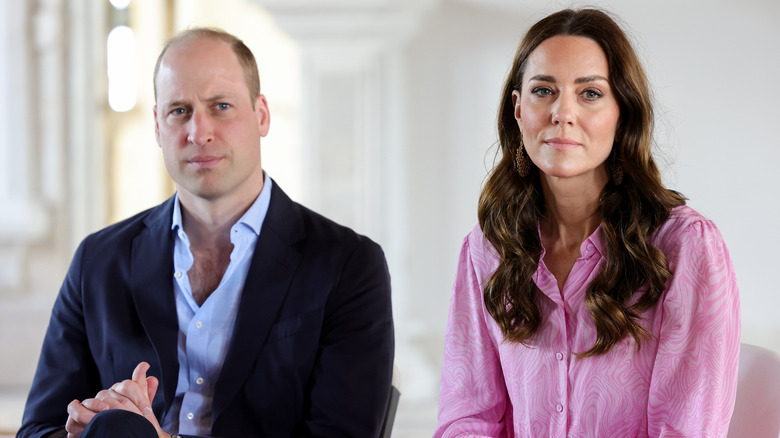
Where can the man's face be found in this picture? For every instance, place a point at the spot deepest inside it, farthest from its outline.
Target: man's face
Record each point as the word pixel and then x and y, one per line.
pixel 207 124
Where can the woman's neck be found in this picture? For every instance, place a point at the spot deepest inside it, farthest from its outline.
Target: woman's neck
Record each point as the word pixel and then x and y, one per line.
pixel 571 209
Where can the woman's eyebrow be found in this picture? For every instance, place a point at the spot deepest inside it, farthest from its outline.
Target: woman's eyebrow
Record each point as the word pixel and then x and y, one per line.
pixel 582 80
pixel 543 78
pixel 594 78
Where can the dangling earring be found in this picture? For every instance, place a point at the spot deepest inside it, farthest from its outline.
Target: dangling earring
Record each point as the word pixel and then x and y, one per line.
pixel 521 163
pixel 617 171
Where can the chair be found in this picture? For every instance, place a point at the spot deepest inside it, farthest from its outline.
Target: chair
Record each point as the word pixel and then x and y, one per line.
pixel 392 406
pixel 757 410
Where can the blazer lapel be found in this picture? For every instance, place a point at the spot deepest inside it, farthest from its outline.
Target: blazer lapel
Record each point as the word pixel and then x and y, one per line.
pixel 151 273
pixel 273 264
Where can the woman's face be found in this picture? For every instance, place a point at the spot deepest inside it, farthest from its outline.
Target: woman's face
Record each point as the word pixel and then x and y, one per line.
pixel 566 109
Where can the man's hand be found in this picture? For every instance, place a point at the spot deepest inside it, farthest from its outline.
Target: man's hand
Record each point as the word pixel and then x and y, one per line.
pixel 80 414
pixel 133 395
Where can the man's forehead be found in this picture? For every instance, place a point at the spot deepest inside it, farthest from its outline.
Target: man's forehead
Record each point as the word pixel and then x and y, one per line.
pixel 184 50
pixel 210 58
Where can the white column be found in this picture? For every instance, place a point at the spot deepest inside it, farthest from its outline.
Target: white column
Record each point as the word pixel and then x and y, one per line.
pixel 49 146
pixel 353 141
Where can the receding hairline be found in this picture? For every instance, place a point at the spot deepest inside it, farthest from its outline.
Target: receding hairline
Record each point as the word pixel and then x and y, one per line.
pixel 244 55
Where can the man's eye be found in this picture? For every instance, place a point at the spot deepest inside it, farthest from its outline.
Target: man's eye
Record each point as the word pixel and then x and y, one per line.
pixel 223 106
pixel 178 111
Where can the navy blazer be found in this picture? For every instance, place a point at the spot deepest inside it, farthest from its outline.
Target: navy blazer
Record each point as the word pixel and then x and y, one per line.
pixel 312 349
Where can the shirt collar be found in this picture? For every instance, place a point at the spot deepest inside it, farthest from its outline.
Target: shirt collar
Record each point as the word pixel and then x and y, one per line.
pixel 596 239
pixel 254 216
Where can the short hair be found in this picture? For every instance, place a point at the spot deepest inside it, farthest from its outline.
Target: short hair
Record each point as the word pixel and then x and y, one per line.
pixel 245 57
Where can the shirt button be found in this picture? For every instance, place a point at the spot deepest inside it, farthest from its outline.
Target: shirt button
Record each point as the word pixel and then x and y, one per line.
pixel 198 324
pixel 190 415
pixel 177 274
pixel 181 234
pixel 199 380
pixel 559 356
pixel 558 407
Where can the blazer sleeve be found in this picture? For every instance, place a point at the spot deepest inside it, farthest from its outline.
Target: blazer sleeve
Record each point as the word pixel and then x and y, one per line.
pixel 473 399
pixel 352 375
pixel 66 370
pixel 694 381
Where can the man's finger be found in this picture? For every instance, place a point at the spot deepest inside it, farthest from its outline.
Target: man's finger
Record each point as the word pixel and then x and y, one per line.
pixel 139 374
pixel 152 384
pixel 95 405
pixel 78 417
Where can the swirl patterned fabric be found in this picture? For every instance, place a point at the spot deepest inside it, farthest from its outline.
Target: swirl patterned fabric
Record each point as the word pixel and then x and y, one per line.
pixel 681 383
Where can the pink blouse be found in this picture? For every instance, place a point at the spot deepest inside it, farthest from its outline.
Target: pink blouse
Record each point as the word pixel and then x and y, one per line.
pixel 681 383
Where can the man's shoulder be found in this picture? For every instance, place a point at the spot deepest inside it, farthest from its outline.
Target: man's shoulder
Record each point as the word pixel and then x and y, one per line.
pixel 127 229
pixel 310 225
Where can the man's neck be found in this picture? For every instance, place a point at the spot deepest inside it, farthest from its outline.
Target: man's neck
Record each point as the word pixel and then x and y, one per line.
pixel 208 222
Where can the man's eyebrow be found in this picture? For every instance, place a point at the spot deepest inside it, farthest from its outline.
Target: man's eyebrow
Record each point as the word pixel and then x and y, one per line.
pixel 217 97
pixel 175 103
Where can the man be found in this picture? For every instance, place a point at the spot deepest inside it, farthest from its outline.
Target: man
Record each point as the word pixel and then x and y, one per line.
pixel 228 310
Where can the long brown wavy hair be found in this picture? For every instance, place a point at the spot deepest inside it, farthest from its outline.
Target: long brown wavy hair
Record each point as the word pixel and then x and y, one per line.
pixel 511 206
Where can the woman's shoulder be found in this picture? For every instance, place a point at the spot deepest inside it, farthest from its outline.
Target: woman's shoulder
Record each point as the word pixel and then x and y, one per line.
pixel 479 249
pixel 477 241
pixel 682 218
pixel 684 223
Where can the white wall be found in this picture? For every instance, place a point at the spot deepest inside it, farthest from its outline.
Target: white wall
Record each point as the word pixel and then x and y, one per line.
pixel 715 67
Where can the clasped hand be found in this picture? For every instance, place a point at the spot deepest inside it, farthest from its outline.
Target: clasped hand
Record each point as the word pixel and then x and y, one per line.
pixel 134 395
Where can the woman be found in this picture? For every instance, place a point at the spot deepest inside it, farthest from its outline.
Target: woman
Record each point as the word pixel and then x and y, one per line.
pixel 590 301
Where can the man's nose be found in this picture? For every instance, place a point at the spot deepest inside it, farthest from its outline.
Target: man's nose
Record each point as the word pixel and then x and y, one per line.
pixel 201 129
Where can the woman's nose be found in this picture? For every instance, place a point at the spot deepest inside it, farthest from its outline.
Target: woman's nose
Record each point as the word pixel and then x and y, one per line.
pixel 564 111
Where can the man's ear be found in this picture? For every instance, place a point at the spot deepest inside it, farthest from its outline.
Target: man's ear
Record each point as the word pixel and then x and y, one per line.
pixel 516 104
pixel 263 115
pixel 156 126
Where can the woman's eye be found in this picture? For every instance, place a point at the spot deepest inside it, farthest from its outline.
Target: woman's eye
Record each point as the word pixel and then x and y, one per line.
pixel 591 94
pixel 542 91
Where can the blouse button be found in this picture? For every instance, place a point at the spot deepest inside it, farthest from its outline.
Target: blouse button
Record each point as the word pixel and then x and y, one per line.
pixel 559 356
pixel 559 407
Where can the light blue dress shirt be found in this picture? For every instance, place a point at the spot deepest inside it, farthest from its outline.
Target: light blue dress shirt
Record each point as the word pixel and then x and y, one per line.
pixel 205 331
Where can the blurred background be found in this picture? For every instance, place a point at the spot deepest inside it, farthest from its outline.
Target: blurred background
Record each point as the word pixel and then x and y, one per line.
pixel 383 115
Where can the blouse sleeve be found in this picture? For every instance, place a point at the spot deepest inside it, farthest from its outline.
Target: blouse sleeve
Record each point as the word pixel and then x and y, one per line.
pixel 694 381
pixel 473 396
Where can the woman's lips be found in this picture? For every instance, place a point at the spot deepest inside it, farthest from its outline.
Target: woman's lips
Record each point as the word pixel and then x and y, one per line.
pixel 562 143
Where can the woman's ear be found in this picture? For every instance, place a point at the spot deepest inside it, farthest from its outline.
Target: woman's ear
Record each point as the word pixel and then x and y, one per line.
pixel 516 104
